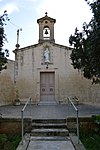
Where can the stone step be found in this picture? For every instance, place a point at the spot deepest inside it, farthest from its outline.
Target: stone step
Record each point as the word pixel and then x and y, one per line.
pixel 49 125
pixel 50 132
pixel 57 121
pixel 49 138
pixel 50 145
pixel 46 102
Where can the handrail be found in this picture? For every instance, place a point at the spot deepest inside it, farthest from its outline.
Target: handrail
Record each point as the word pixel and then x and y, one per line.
pixel 76 109
pixel 0 115
pixel 22 115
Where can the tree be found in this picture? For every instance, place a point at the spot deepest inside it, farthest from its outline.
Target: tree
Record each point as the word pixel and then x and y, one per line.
pixel 3 53
pixel 85 55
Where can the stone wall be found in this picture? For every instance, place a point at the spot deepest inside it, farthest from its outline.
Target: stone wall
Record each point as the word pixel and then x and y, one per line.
pixel 68 81
pixel 13 126
pixel 30 63
pixel 87 123
pixel 7 89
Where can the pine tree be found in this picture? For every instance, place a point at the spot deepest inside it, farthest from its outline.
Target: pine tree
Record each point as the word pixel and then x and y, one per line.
pixel 85 55
pixel 3 53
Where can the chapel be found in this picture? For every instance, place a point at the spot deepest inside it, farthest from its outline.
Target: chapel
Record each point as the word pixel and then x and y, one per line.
pixel 44 71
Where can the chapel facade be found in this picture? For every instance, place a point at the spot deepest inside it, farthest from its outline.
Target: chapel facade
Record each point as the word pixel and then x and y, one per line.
pixel 44 71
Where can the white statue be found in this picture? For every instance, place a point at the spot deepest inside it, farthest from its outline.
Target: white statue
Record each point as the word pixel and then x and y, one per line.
pixel 47 55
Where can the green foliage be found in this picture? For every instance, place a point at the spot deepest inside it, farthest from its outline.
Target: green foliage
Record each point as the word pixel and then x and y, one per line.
pixel 91 141
pixel 3 140
pixel 17 99
pixel 9 142
pixel 3 59
pixel 96 119
pixel 86 52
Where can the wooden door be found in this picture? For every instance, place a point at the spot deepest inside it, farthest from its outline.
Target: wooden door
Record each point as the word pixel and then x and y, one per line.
pixel 47 86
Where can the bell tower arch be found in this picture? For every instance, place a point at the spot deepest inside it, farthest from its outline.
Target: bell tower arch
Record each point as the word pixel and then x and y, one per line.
pixel 46 29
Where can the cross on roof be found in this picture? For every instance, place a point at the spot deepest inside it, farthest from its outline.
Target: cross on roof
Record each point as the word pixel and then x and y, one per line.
pixel 46 13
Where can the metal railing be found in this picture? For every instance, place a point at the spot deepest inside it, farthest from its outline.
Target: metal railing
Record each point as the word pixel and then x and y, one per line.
pixel 77 118
pixel 0 115
pixel 22 116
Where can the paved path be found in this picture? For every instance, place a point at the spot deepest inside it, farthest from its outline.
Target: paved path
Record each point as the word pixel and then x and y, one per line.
pixel 50 145
pixel 49 111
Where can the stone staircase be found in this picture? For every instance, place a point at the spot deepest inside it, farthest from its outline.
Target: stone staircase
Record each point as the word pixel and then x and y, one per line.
pixel 50 134
pixel 49 129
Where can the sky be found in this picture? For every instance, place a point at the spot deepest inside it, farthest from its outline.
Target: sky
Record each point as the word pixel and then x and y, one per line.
pixel 23 14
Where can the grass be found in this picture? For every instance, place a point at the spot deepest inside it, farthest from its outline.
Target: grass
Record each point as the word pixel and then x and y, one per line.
pixel 9 142
pixel 91 141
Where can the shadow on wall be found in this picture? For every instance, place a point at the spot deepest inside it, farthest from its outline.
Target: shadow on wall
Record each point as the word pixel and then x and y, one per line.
pixel 78 86
pixel 26 88
pixel 7 90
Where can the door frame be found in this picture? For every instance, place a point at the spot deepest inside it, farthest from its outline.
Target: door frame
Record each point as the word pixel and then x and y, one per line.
pixel 54 81
pixel 37 83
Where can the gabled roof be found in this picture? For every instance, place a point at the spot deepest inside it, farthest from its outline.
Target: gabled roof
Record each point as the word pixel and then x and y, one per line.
pixel 46 18
pixel 39 44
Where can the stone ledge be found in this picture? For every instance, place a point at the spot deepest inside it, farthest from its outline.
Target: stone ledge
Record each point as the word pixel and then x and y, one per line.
pixel 77 146
pixel 25 143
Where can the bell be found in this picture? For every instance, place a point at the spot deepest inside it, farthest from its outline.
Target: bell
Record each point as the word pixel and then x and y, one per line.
pixel 46 31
